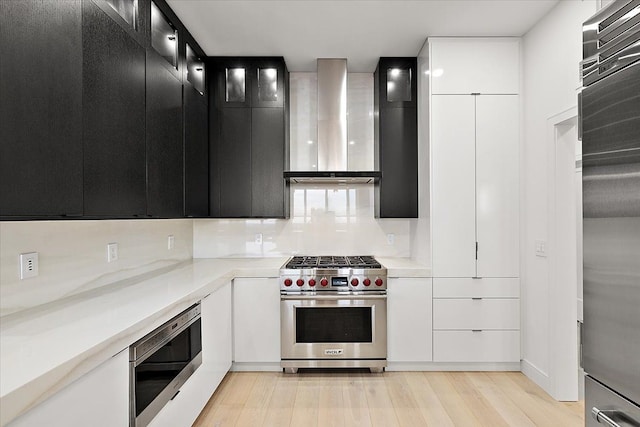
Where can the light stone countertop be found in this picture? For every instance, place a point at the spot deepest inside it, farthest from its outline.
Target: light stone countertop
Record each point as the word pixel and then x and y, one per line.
pixel 45 349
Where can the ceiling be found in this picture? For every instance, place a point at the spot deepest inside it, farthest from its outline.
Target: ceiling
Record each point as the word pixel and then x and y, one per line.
pixel 361 31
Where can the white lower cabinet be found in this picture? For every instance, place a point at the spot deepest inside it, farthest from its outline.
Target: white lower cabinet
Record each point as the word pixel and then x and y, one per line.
pixel 476 346
pixel 256 320
pixel 99 398
pixel 477 313
pixel 476 320
pixel 409 320
pixel 185 407
pixel 217 339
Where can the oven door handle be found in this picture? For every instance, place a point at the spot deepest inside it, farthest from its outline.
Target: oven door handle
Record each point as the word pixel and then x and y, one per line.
pixel 333 297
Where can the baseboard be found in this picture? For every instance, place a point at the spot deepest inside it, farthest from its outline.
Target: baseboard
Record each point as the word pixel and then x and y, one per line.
pixel 535 374
pixel 462 366
pixel 256 366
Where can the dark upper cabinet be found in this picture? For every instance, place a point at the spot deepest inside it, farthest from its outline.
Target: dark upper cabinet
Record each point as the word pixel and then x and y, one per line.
pixel 267 162
pixel 196 135
pixel 397 83
pixel 95 120
pixel 40 108
pixel 165 165
pixel 113 118
pixel 234 168
pixel 248 133
pixel 396 138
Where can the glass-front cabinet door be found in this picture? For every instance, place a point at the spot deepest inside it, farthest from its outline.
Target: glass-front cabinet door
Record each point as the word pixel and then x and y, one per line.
pixel 195 70
pixel 249 82
pixel 127 9
pixel 397 83
pixel 164 36
pixel 235 85
pixel 267 83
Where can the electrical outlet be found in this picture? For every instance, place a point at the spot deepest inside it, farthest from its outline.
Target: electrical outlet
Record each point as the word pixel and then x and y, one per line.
pixel 258 238
pixel 541 248
pixel 171 242
pixel 28 265
pixel 391 238
pixel 112 252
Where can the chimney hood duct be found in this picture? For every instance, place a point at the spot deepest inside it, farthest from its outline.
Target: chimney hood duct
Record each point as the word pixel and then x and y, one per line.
pixel 332 130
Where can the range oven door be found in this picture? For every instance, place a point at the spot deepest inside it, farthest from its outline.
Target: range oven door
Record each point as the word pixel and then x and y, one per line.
pixel 334 326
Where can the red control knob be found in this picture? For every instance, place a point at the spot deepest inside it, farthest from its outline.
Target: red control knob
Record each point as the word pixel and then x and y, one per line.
pixel 324 282
pixel 299 282
pixel 366 281
pixel 287 282
pixel 312 282
pixel 378 282
pixel 354 282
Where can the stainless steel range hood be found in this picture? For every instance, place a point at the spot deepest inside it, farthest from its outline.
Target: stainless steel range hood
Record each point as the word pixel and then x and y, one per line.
pixel 332 130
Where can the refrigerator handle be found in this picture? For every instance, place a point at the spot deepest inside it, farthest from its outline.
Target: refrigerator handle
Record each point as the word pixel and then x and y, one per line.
pixel 602 418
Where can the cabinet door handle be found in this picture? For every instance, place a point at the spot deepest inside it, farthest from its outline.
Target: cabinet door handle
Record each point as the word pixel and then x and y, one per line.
pixel 476 299
pixel 476 330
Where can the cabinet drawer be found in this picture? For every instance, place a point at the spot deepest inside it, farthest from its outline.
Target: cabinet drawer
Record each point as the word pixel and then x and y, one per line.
pixel 466 287
pixel 476 314
pixel 483 346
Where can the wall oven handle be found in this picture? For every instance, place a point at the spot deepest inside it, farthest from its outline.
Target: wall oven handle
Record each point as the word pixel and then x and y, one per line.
pixel 602 418
pixel 332 297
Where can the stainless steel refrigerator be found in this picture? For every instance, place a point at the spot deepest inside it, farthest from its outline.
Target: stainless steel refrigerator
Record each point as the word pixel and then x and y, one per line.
pixel 610 114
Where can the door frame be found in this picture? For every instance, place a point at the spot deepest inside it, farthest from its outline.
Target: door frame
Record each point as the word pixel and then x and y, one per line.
pixel 562 259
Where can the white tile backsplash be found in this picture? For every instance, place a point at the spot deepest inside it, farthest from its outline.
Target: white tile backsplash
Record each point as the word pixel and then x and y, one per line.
pixel 73 255
pixel 325 219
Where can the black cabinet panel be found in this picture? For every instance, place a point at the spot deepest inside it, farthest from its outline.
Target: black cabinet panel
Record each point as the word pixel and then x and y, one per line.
pixel 40 108
pixel 234 166
pixel 248 146
pixel 396 139
pixel 113 118
pixel 267 162
pixel 196 153
pixel 399 164
pixel 164 141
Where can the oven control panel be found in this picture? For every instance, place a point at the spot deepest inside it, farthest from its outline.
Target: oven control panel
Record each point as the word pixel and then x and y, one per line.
pixel 370 279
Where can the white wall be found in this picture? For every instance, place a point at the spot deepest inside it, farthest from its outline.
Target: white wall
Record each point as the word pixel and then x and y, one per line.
pixel 552 51
pixel 325 219
pixel 73 256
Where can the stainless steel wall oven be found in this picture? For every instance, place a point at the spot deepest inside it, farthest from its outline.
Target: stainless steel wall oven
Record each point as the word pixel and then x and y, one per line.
pixel 161 362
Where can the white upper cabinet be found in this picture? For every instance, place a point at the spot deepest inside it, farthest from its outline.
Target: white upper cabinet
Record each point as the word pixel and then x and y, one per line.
pixel 475 127
pixel 453 186
pixel 497 202
pixel 477 65
pixel 475 186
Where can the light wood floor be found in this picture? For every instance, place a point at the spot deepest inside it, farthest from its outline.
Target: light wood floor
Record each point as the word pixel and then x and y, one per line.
pixel 320 398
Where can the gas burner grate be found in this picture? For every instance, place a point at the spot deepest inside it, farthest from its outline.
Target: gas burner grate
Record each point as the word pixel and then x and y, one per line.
pixel 302 262
pixel 327 261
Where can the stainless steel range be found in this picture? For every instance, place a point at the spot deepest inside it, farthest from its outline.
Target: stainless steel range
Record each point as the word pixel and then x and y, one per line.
pixel 333 313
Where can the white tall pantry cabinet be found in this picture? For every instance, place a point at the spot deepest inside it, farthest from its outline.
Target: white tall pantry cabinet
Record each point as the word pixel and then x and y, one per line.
pixel 475 198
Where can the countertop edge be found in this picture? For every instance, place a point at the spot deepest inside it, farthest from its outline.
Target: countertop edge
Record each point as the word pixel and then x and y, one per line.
pixel 25 397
